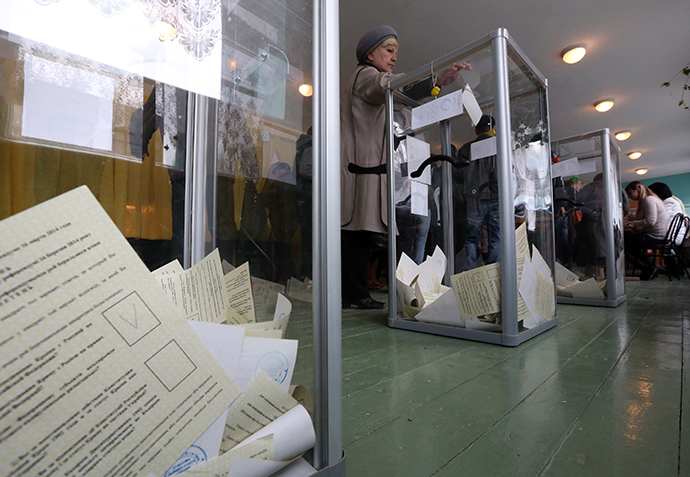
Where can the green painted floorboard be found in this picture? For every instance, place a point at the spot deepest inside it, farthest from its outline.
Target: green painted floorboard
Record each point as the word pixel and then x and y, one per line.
pixel 600 394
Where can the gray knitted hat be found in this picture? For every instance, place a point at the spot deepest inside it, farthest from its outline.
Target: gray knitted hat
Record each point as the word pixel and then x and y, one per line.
pixel 373 38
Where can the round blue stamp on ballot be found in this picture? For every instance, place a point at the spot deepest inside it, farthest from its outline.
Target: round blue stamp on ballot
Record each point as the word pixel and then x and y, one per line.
pixel 275 364
pixel 194 456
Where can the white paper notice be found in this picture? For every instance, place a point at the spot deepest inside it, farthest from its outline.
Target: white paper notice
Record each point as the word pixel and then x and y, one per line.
pixel 418 152
pixel 439 109
pixel 102 375
pixel 60 109
pixel 471 105
pixel 568 167
pixel 483 148
pixel 419 198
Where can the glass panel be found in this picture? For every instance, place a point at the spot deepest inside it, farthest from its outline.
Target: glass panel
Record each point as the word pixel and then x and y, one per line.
pixel 615 202
pixel 75 116
pixel 68 121
pixel 582 200
pixel 263 169
pixel 531 161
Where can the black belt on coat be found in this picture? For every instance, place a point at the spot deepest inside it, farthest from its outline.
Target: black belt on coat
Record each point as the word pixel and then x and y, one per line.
pixel 355 169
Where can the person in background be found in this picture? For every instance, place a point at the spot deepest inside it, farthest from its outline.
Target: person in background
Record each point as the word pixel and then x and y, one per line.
pixel 673 205
pixel 648 228
pixel 480 190
pixel 363 157
pixel 304 172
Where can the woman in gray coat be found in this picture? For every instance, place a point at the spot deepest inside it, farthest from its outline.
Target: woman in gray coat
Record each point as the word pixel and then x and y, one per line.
pixel 363 157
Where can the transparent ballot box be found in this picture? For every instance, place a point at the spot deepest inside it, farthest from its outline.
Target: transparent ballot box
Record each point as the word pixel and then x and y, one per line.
pixel 471 251
pixel 588 224
pixel 171 189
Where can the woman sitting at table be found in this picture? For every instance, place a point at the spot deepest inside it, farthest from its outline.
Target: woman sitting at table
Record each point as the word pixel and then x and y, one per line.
pixel 648 228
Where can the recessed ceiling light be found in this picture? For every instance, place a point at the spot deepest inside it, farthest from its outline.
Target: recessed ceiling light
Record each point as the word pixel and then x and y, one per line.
pixel 306 90
pixel 623 135
pixel 641 172
pixel 164 29
pixel 604 105
pixel 635 155
pixel 574 53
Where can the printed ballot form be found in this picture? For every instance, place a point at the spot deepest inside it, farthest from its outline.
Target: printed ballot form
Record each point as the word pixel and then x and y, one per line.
pixel 100 373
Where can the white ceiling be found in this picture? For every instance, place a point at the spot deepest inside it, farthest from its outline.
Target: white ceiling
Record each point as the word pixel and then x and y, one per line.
pixel 633 47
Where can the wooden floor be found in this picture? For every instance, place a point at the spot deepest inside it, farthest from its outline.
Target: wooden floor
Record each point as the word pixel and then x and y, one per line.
pixel 600 394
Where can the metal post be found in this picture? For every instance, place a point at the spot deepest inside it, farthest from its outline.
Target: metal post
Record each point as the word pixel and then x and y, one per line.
pixel 392 252
pixel 188 186
pixel 202 141
pixel 326 237
pixel 447 204
pixel 610 198
pixel 505 187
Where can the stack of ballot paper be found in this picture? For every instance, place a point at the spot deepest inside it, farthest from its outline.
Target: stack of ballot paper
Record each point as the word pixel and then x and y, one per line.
pixel 568 284
pixel 300 290
pixel 474 302
pixel 418 286
pixel 111 370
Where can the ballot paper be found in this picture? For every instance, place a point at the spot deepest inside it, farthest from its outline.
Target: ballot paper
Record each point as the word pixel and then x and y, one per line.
pixel 478 291
pixel 258 449
pixel 536 289
pixel 420 285
pixel 278 324
pixel 238 285
pixel 521 253
pixel 199 291
pixel 225 342
pixel 265 295
pixel 275 357
pixel 172 267
pixel 474 111
pixel 444 311
pixel 300 290
pixel 260 404
pixel 102 375
pixel 565 277
pixel 284 440
pixel 586 289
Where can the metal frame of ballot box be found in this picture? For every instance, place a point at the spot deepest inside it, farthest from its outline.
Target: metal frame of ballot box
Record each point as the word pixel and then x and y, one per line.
pixel 595 153
pixel 511 81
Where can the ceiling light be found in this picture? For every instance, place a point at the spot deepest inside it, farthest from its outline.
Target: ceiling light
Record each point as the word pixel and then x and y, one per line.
pixel 641 172
pixel 635 155
pixel 603 105
pixel 622 135
pixel 306 90
pixel 574 53
pixel 164 30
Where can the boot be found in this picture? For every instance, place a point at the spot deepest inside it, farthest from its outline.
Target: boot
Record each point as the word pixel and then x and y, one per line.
pixel 372 282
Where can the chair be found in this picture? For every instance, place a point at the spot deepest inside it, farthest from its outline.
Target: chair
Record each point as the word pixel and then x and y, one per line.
pixel 669 250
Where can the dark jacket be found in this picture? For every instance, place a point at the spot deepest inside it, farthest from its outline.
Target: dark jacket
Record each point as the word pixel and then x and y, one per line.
pixel 479 178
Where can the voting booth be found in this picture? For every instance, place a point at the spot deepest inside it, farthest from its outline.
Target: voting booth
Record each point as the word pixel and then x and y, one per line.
pixel 590 262
pixel 169 239
pixel 471 249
